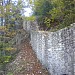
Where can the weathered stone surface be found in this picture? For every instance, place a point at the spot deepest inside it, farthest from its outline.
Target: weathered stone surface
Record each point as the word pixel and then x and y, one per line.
pixel 28 26
pixel 56 50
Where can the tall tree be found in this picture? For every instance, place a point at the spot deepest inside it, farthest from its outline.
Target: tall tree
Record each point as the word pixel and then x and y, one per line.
pixel 41 9
pixel 56 13
pixel 11 13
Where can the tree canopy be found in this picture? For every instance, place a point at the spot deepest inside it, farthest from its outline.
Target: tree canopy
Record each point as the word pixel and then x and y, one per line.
pixel 55 13
pixel 11 22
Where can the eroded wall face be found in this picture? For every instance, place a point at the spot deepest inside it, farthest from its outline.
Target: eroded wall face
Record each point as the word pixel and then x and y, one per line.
pixel 56 50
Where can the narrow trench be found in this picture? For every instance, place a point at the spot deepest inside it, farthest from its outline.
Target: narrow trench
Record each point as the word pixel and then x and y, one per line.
pixel 27 62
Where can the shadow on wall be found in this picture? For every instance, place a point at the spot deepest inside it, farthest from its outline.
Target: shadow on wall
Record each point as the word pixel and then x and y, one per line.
pixel 64 74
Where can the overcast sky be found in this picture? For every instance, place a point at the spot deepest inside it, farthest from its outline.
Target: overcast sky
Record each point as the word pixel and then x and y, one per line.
pixel 27 11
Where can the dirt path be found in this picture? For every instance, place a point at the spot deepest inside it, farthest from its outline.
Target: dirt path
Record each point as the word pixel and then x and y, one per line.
pixel 27 63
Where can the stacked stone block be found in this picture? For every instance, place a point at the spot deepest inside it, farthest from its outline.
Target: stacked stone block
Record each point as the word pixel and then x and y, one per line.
pixel 56 50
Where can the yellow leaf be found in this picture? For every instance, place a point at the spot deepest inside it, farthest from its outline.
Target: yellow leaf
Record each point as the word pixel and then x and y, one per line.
pixel 10 49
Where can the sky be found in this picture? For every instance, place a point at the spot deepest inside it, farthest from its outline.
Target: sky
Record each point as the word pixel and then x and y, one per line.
pixel 27 11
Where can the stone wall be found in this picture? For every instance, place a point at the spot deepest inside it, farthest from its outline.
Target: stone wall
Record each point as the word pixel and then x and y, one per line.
pixel 29 25
pixel 56 50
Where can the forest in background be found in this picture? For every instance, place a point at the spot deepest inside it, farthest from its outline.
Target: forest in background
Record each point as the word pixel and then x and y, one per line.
pixel 50 15
pixel 10 26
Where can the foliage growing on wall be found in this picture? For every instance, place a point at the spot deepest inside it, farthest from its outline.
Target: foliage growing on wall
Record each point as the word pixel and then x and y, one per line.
pixel 31 18
pixel 54 13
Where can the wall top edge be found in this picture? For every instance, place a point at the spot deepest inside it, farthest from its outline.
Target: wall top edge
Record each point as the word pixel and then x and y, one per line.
pixel 69 27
